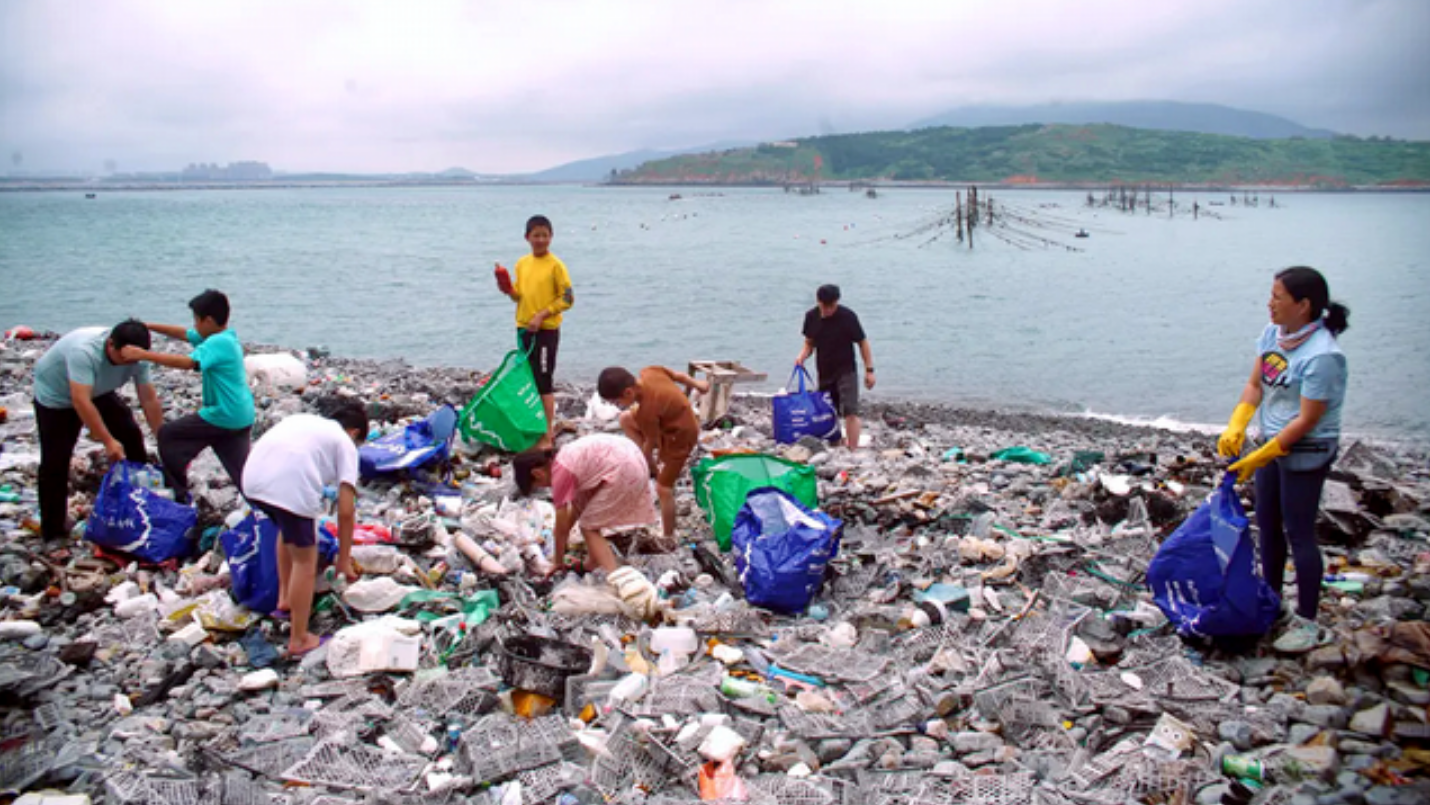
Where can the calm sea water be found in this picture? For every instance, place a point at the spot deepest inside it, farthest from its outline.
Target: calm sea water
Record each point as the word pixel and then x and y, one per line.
pixel 1155 318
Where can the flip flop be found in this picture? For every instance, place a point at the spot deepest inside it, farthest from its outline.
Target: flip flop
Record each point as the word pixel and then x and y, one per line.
pixel 288 656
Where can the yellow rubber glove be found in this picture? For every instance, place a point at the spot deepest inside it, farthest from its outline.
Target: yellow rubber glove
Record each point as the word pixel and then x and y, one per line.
pixel 1231 440
pixel 1259 458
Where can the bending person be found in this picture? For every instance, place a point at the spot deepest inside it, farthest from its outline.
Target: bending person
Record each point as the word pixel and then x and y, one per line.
pixel 284 477
pixel 1296 388
pixel 660 419
pixel 76 385
pixel 600 481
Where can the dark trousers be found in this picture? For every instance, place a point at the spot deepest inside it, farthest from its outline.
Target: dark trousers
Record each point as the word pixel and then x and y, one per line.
pixel 59 431
pixel 181 441
pixel 543 345
pixel 1286 507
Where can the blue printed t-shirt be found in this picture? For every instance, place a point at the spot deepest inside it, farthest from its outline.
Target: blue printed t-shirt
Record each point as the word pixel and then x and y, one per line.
pixel 79 357
pixel 227 402
pixel 1315 370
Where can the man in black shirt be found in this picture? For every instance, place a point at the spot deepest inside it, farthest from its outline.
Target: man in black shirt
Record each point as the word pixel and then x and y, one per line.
pixel 832 331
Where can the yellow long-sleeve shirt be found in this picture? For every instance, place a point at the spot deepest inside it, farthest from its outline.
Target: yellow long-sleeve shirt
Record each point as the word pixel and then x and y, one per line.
pixel 542 283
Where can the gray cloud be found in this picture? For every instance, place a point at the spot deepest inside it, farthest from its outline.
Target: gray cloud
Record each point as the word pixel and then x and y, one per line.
pixel 374 86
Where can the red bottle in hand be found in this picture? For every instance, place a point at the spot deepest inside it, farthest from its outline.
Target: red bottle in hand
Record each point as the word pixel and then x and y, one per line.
pixel 503 280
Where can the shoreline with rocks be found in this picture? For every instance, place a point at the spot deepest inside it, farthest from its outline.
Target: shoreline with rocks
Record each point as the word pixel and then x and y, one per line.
pixel 984 634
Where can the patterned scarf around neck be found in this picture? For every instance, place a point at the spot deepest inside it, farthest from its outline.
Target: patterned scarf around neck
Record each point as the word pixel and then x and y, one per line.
pixel 1288 342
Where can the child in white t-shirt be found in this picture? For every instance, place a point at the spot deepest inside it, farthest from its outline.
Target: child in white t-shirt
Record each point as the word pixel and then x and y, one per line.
pixel 284 477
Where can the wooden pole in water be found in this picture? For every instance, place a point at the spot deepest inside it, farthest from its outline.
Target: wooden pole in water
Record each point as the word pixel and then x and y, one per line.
pixel 972 213
pixel 958 213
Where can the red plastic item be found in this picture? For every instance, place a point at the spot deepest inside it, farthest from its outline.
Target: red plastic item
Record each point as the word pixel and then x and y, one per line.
pixel 364 534
pixel 503 280
pixel 21 333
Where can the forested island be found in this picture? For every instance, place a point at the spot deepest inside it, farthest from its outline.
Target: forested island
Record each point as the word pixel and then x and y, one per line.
pixel 1038 154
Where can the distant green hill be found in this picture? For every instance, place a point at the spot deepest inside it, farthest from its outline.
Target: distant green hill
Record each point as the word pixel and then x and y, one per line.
pixel 1053 154
pixel 1207 118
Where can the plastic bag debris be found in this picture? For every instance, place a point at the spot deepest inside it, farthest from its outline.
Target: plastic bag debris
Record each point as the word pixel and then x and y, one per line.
pixel 387 644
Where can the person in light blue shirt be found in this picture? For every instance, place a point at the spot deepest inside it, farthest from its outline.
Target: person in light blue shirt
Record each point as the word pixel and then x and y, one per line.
pixel 1296 390
pixel 225 420
pixel 76 386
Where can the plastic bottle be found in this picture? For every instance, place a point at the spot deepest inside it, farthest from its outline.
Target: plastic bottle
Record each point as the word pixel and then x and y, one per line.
pixel 630 688
pixel 337 582
pixel 1244 767
pixel 1354 576
pixel 503 280
pixel 745 689
pixel 757 661
pixel 536 561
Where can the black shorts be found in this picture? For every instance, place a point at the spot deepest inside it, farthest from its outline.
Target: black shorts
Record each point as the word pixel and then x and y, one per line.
pixel 296 530
pixel 843 390
pixel 543 356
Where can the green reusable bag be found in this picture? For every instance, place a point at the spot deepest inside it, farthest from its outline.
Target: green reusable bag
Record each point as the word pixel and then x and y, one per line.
pixel 507 412
pixel 721 485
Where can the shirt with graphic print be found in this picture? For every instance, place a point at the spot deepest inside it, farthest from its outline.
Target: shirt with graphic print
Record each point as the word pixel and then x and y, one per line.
pixel 1315 370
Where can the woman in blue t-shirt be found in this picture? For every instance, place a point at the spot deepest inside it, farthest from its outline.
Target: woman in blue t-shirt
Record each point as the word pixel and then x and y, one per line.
pixel 1296 390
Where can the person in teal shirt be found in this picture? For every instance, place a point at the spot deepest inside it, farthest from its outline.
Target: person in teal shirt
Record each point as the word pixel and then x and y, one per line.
pixel 225 420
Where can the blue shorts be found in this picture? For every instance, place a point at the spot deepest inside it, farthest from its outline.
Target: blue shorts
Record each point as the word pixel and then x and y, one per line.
pixel 297 531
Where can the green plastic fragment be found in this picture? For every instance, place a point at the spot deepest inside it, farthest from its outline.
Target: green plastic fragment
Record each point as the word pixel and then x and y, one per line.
pixel 1022 455
pixel 475 609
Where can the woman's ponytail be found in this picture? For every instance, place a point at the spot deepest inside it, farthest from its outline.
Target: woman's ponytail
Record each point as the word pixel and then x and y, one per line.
pixel 1337 318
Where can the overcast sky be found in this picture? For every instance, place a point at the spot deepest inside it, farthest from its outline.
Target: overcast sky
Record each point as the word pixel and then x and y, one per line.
pixel 508 87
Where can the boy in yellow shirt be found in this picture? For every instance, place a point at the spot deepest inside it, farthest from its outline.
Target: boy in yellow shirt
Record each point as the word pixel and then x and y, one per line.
pixel 542 292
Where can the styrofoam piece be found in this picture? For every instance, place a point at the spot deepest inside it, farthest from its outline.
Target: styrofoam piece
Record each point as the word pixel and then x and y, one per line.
pixel 279 370
pixel 721 744
pixel 19 630
pixel 190 635
pixel 52 798
pixel 386 644
pixel 259 680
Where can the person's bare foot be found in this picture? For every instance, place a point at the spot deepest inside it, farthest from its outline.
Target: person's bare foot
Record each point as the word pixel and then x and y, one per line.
pixel 297 649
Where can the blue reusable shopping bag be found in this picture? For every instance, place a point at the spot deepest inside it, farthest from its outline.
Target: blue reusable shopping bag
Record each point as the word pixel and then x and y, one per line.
pixel 1204 577
pixel 804 412
pixel 416 445
pixel 133 519
pixel 252 551
pixel 781 549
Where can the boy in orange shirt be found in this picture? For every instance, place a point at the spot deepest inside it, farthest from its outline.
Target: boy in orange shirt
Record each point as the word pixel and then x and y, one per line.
pixel 542 292
pixel 659 419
